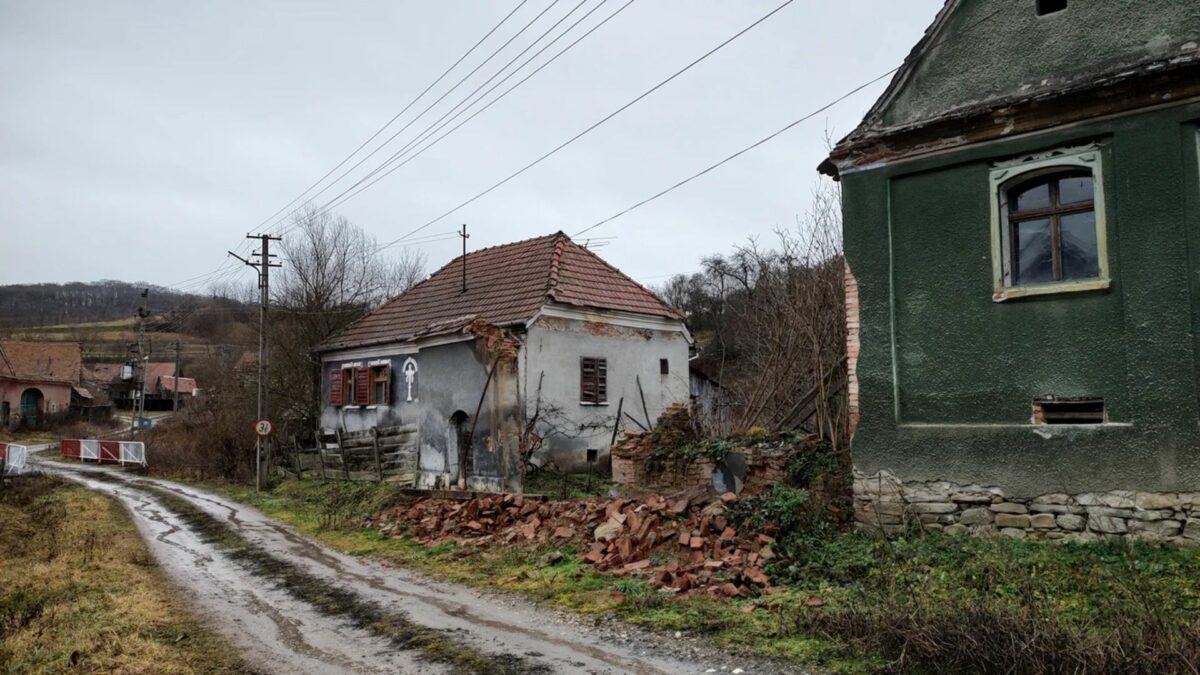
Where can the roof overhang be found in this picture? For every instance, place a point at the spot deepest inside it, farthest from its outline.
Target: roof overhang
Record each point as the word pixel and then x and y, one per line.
pixel 614 317
pixel 1168 82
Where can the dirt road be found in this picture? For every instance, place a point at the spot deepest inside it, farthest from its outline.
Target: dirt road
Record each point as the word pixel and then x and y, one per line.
pixel 282 631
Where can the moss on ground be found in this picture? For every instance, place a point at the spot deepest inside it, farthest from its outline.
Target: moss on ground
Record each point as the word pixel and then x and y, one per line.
pixel 82 594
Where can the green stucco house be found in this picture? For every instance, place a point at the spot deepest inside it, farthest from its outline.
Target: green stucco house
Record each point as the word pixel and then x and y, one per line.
pixel 1022 237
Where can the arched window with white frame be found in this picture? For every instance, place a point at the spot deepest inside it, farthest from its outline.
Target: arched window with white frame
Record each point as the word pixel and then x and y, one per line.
pixel 1048 225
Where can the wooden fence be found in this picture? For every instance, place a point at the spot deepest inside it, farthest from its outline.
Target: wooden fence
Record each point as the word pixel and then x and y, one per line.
pixel 378 454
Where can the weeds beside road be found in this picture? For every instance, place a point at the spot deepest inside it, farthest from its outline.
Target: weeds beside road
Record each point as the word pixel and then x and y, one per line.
pixel 850 602
pixel 79 591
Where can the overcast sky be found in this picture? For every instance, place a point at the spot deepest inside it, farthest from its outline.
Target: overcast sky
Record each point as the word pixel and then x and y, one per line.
pixel 140 140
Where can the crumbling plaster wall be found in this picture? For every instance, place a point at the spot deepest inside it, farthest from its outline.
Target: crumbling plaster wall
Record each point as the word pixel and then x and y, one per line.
pixel 554 346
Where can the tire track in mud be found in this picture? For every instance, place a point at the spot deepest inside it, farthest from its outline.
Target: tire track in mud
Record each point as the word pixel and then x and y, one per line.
pixel 488 635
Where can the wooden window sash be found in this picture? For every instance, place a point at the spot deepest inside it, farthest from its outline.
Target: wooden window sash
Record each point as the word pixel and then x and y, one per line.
pixel 1052 213
pixel 335 388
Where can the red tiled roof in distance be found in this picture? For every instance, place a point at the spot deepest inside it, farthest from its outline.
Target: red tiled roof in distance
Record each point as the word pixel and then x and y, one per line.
pixel 42 361
pixel 505 284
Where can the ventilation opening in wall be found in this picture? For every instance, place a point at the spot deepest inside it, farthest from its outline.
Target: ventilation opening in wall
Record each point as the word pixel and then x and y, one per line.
pixel 1069 411
pixel 1045 7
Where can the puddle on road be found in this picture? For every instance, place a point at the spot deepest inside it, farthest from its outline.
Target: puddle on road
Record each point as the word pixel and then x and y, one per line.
pixel 434 645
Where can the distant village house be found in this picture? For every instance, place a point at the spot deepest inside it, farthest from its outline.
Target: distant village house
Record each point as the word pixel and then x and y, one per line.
pixel 39 380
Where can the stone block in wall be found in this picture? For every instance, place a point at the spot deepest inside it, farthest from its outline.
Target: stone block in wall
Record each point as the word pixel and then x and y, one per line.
pixel 927 492
pixel 1070 521
pixel 1012 532
pixel 957 528
pixel 1009 520
pixel 1109 512
pixel 932 507
pixel 1107 524
pixel 1160 514
pixel 1009 507
pixel 976 516
pixel 972 497
pixel 1042 521
pixel 1053 498
pixel 1155 529
pixel 1040 507
pixel 1192 529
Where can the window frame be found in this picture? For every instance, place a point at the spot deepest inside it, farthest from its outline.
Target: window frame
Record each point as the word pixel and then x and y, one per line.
pixel 379 374
pixel 1007 175
pixel 599 377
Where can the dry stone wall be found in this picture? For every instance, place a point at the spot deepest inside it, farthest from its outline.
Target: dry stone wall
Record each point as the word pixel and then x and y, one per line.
pixel 882 501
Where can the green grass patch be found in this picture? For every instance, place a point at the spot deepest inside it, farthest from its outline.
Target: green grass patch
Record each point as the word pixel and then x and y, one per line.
pixel 851 601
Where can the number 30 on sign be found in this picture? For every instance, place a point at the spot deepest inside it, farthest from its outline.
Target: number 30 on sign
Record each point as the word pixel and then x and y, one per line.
pixel 262 427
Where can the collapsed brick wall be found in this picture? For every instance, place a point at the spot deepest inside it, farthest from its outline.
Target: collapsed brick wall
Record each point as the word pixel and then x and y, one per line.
pixel 638 466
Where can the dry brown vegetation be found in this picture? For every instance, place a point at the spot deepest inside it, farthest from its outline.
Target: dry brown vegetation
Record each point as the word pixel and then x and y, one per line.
pixel 84 595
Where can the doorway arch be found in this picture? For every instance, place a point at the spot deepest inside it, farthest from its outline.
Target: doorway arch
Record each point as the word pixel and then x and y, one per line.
pixel 32 401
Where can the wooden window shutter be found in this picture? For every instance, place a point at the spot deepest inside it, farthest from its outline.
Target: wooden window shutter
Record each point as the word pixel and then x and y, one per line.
pixel 362 386
pixel 587 380
pixel 335 388
pixel 601 380
pixel 386 374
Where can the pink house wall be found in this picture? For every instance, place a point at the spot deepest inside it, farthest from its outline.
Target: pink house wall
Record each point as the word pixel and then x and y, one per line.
pixel 56 396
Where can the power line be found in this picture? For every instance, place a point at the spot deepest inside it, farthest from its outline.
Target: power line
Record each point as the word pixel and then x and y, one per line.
pixel 225 262
pixel 763 140
pixel 604 119
pixel 428 108
pixel 399 114
pixel 335 203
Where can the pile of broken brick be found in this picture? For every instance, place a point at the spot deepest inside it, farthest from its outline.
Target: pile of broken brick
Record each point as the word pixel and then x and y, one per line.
pixel 684 545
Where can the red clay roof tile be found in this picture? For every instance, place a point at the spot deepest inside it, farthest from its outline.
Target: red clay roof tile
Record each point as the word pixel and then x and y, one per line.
pixel 505 284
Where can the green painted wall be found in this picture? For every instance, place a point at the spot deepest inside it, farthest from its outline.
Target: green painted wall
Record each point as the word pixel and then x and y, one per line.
pixel 994 48
pixel 947 376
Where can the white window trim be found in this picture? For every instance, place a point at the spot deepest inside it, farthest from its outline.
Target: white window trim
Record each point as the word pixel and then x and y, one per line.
pixel 1002 177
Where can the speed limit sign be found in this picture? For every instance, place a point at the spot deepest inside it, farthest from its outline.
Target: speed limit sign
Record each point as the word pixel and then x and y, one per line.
pixel 262 427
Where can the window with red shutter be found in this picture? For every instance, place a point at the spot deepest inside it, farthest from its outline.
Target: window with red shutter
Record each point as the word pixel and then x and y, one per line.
pixel 362 386
pixel 335 388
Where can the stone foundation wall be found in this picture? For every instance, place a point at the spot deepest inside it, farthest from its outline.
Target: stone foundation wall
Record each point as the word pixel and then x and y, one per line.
pixel 883 501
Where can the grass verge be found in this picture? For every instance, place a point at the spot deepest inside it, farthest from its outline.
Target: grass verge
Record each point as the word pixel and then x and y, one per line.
pixel 329 599
pixel 82 594
pixel 851 602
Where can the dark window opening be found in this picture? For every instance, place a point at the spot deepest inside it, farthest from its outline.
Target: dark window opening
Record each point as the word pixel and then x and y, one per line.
pixel 664 366
pixel 593 380
pixel 381 384
pixel 1069 411
pixel 1052 229
pixel 1045 7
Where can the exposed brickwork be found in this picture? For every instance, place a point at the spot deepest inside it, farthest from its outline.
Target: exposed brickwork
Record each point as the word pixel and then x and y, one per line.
pixel 852 348
pixel 637 469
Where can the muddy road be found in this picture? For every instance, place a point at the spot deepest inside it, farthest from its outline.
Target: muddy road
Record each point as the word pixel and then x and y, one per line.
pixel 274 616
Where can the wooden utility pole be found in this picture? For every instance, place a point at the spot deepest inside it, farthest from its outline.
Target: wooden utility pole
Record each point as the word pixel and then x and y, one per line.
pixel 175 393
pixel 137 408
pixel 263 265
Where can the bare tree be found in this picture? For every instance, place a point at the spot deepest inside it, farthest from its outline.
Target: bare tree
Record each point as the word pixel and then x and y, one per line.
pixel 333 273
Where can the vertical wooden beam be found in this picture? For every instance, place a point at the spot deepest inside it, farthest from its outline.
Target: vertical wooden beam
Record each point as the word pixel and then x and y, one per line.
pixel 375 448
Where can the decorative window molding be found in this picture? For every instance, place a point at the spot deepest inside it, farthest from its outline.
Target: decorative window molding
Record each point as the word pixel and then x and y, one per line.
pixel 1055 166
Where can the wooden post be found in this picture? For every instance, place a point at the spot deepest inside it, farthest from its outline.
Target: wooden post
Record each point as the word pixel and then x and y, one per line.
pixel 375 447
pixel 645 410
pixel 342 454
pixel 321 453
pixel 617 423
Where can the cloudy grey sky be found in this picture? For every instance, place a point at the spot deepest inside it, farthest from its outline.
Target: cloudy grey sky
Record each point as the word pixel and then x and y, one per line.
pixel 140 140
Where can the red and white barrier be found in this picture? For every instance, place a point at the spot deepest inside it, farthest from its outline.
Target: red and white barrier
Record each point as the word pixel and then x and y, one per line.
pixel 13 458
pixel 104 452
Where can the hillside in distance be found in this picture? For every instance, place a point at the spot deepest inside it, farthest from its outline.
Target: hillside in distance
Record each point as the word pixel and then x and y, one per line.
pixel 29 305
